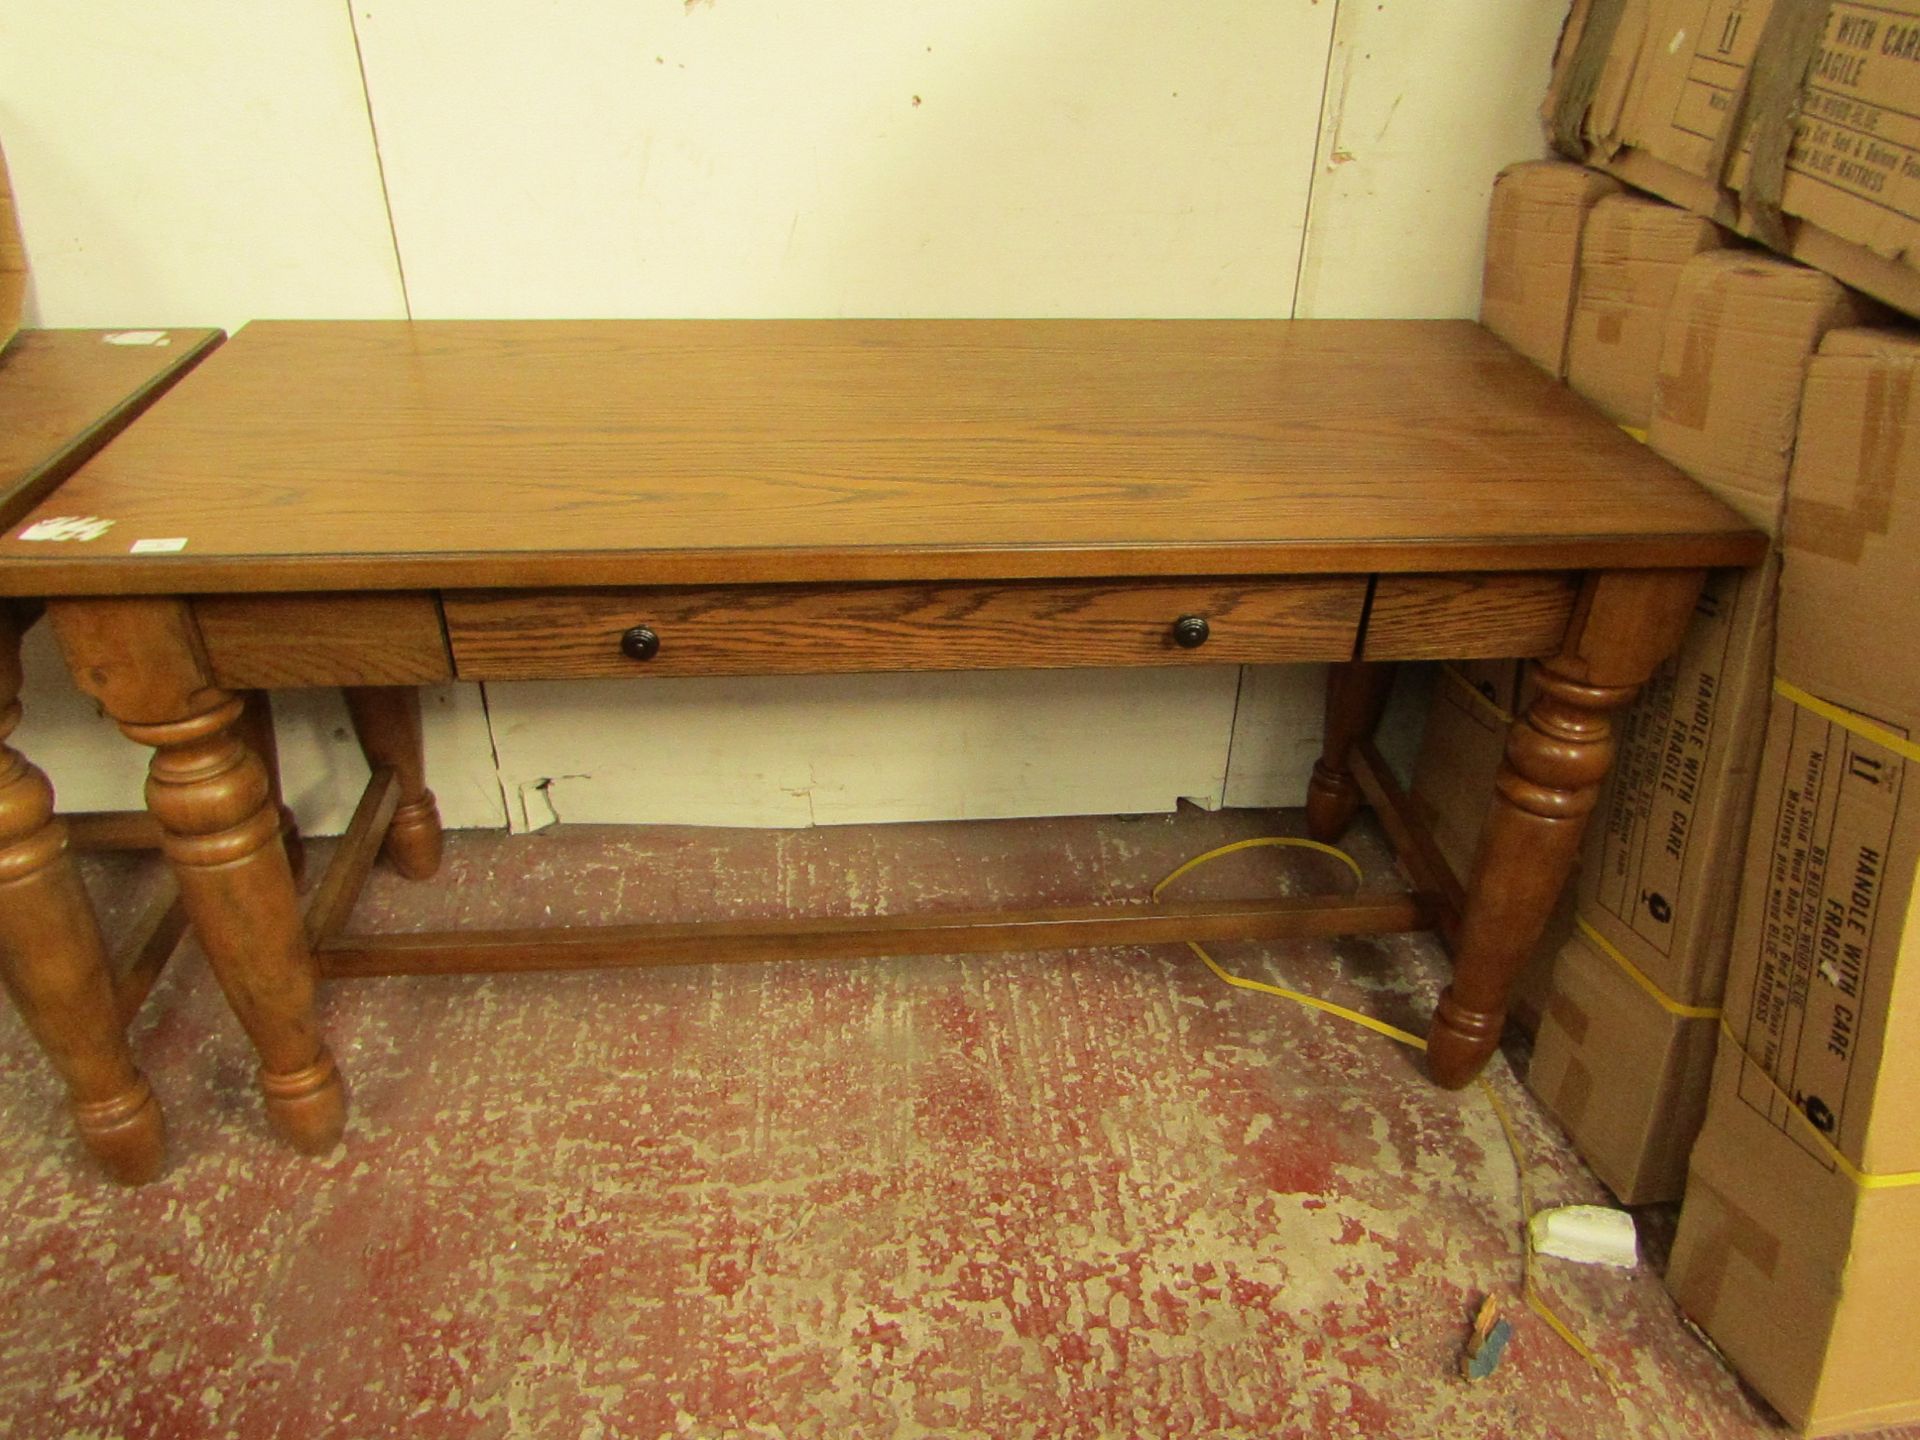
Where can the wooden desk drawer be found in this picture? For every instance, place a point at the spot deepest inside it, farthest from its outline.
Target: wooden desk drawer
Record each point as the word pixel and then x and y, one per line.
pixel 774 629
pixel 266 642
pixel 1469 616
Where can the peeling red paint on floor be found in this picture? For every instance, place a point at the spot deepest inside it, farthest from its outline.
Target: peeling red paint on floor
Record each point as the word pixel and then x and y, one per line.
pixel 1086 1194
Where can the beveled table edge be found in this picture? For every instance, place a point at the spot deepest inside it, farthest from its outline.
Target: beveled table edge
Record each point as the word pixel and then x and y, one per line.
pixel 187 574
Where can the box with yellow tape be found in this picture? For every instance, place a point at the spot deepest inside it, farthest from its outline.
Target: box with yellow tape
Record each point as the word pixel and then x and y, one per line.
pixel 1806 1279
pixel 1624 1067
pixel 1661 862
pixel 1796 1248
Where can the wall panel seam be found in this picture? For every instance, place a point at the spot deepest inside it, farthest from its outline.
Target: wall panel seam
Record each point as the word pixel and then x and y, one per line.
pixel 1313 174
pixel 379 163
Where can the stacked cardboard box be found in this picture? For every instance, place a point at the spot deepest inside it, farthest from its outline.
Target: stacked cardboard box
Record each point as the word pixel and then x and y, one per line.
pixel 1792 122
pixel 1622 1059
pixel 13 261
pixel 1796 1246
pixel 1466 734
pixel 1630 262
pixel 1534 223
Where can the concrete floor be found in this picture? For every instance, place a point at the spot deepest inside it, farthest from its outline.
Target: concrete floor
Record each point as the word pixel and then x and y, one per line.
pixel 1086 1194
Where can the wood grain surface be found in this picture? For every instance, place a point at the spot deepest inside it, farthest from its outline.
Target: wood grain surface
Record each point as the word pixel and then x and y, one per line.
pixel 473 952
pixel 1412 841
pixel 1357 694
pixel 357 455
pixel 269 642
pixel 333 898
pixel 814 630
pixel 1467 616
pixel 1557 754
pixel 221 833
pixel 65 393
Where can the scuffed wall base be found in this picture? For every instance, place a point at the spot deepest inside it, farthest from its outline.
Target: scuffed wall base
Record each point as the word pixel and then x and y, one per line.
pixel 835 750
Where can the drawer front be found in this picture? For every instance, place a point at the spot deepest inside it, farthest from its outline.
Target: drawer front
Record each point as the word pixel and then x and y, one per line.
pixel 260 642
pixel 801 629
pixel 1469 616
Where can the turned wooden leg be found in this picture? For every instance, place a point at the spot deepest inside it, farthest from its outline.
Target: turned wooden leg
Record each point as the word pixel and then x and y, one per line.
pixel 1356 694
pixel 141 659
pixel 1557 754
pixel 387 720
pixel 55 965
pixel 256 731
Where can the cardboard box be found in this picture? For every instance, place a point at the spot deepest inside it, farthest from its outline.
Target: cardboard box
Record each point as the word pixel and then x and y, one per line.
pixel 1805 1275
pixel 1630 262
pixel 1825 986
pixel 1799 133
pixel 13 260
pixel 1625 1074
pixel 1534 223
pixel 1660 865
pixel 1808 1283
pixel 1473 704
pixel 1852 536
pixel 1740 334
pixel 1661 860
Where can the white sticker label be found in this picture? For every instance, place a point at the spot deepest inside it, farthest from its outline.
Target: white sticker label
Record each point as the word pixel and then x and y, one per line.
pixel 67 527
pixel 139 337
pixel 158 547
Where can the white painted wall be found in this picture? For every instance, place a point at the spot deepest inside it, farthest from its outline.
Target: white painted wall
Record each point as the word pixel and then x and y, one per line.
pixel 1424 104
pixel 193 163
pixel 210 162
pixel 869 157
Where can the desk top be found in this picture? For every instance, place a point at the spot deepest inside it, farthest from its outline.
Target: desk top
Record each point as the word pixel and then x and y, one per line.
pixel 65 393
pixel 385 455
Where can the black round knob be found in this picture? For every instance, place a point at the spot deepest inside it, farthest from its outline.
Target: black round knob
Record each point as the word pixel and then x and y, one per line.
pixel 640 643
pixel 1190 631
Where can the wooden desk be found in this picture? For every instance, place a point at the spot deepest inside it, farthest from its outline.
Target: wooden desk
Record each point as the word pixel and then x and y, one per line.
pixel 378 506
pixel 63 395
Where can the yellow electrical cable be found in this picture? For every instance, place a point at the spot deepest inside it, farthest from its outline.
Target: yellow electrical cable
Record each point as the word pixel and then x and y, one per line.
pixel 1260 842
pixel 1529 1291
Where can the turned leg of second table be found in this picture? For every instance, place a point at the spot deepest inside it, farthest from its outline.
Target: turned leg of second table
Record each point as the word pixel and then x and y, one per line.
pixel 54 963
pixel 141 659
pixel 1626 623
